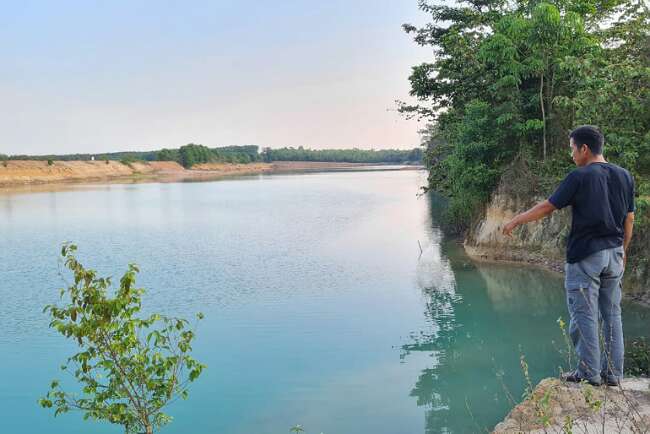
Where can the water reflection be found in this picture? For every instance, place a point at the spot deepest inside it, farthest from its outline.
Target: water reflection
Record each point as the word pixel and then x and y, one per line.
pixel 479 319
pixel 512 289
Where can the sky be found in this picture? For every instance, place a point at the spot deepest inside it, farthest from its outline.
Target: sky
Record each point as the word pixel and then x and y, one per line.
pixel 101 76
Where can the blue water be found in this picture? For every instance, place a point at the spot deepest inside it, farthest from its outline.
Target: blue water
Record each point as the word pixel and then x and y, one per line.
pixel 320 309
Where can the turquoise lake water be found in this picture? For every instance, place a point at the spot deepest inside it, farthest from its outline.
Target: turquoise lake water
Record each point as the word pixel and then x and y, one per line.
pixel 320 309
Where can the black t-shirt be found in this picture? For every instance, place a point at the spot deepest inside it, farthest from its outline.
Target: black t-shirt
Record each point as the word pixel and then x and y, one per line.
pixel 600 195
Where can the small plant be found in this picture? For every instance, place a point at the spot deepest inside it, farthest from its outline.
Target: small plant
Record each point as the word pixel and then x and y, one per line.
pixel 570 350
pixel 107 162
pixel 567 428
pixel 593 403
pixel 50 162
pixel 130 367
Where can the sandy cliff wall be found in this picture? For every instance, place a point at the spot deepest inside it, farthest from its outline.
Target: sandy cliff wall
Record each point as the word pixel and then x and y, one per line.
pixel 541 242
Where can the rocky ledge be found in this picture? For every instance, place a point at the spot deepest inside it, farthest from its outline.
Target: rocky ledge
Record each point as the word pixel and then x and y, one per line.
pixel 557 407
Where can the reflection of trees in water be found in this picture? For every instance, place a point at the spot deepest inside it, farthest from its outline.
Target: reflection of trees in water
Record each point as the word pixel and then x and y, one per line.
pixel 512 288
pixel 481 317
pixel 453 340
pixel 477 326
pixel 437 281
pixel 474 317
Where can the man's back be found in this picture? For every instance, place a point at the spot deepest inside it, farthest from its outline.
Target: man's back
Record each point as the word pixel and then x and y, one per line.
pixel 600 194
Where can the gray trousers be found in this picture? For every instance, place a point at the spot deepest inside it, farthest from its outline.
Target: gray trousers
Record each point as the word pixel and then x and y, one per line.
pixel 593 288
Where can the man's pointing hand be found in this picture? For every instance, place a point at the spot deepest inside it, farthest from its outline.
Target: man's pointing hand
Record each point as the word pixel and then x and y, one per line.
pixel 507 229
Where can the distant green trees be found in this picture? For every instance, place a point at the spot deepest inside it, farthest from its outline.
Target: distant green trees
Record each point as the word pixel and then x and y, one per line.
pixel 509 80
pixel 191 154
pixel 237 154
pixel 115 156
pixel 343 155
pixel 194 154
pixel 168 155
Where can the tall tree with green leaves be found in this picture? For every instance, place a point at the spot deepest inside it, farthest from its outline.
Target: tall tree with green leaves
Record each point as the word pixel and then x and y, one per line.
pixel 508 80
pixel 129 366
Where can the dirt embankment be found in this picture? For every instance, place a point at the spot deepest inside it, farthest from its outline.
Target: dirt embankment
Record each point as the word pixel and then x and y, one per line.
pixel 16 172
pixel 35 172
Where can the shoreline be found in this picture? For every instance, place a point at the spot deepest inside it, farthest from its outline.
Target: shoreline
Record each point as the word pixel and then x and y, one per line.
pixel 484 255
pixel 22 175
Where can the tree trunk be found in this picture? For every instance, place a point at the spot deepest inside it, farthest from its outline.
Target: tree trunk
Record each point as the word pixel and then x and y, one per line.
pixel 149 429
pixel 541 102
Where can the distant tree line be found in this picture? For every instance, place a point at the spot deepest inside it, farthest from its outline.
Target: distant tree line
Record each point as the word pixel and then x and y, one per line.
pixel 343 155
pixel 192 154
pixel 115 156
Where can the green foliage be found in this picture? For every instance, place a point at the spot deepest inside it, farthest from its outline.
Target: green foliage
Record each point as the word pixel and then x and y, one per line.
pixel 50 162
pixel 128 366
pixel 237 154
pixel 168 155
pixel 510 79
pixel 194 154
pixel 115 156
pixel 128 160
pixel 637 358
pixel 191 154
pixel 343 155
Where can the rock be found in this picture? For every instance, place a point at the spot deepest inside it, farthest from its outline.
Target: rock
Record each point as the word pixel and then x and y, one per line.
pixel 560 407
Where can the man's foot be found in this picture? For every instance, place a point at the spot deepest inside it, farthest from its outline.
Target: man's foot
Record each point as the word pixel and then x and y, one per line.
pixel 574 377
pixel 610 381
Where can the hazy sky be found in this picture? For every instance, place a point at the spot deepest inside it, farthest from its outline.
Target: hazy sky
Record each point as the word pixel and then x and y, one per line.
pixel 92 76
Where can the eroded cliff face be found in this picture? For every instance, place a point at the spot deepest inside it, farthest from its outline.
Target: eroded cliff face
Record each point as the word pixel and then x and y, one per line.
pixel 543 242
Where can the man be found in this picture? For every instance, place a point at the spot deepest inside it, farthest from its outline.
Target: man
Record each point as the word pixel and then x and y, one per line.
pixel 601 196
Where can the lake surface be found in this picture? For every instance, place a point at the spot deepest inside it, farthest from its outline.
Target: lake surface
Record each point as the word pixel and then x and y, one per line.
pixel 319 307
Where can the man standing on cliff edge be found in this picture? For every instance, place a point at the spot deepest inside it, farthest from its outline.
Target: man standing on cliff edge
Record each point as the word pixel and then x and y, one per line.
pixel 601 196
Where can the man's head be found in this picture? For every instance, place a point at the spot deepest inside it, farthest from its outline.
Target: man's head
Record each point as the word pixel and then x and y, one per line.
pixel 586 143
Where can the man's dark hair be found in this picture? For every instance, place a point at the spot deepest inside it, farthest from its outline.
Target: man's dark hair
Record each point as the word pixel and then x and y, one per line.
pixel 588 135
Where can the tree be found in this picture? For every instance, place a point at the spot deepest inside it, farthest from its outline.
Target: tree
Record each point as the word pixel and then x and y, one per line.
pixel 168 155
pixel 523 73
pixel 192 154
pixel 130 367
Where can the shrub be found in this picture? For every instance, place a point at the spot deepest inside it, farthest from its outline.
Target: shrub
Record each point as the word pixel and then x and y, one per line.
pixel 637 358
pixel 129 366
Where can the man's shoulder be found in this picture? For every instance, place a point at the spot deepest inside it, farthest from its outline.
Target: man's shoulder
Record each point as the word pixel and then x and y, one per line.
pixel 576 174
pixel 622 171
pixel 616 167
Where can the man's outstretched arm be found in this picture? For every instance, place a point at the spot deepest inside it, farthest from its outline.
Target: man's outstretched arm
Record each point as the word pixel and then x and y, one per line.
pixel 537 212
pixel 627 237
